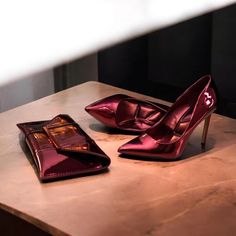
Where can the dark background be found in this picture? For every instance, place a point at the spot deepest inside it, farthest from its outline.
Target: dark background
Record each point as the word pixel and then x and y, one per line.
pixel 163 63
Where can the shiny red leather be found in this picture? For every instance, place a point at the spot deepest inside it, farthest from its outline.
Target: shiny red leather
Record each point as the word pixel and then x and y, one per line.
pixel 126 113
pixel 167 138
pixel 60 148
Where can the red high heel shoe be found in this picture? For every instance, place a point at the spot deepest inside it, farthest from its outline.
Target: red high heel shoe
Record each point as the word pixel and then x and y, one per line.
pixel 167 138
pixel 126 113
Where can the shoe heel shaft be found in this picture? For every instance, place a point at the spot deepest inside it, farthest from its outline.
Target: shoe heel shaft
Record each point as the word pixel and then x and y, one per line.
pixel 205 131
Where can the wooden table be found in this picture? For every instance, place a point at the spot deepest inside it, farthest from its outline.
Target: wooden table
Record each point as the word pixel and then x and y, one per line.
pixel 192 196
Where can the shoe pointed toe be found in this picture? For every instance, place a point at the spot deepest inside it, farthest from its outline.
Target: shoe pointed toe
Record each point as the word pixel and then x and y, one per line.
pixel 99 109
pixel 90 108
pixel 141 145
pixel 130 147
pixel 104 110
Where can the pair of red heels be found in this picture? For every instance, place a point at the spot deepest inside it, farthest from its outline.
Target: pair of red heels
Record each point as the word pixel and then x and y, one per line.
pixel 164 130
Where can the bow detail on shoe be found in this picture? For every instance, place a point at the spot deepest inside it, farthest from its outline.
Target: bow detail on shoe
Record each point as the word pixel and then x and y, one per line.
pixel 126 113
pixel 137 114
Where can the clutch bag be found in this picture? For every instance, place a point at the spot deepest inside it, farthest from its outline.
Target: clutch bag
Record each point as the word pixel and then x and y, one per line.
pixel 60 148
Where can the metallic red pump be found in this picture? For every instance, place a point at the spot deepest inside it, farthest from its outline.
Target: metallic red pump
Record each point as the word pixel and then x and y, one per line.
pixel 167 138
pixel 126 113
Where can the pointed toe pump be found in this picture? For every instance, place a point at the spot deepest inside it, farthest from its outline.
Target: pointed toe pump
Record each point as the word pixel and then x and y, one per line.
pixel 126 113
pixel 167 138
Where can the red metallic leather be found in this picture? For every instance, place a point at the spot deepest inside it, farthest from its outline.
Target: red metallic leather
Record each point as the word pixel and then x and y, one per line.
pixel 167 138
pixel 126 113
pixel 60 148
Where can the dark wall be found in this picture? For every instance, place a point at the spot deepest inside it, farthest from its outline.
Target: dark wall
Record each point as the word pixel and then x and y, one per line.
pixel 125 65
pixel 223 58
pixel 181 53
pixel 76 72
pixel 165 62
pixel 161 63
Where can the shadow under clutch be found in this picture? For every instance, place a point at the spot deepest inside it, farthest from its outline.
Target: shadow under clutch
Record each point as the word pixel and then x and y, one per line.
pixel 60 148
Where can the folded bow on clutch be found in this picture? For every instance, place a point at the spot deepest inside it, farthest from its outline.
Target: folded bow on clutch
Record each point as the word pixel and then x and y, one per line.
pixel 60 148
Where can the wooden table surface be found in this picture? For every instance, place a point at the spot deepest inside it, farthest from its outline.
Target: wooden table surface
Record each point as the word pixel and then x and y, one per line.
pixel 193 196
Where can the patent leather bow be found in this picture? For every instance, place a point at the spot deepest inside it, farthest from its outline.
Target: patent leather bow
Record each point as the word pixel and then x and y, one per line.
pixel 126 113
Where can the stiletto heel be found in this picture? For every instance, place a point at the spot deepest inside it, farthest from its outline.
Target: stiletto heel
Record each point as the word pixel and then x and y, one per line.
pixel 168 137
pixel 205 132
